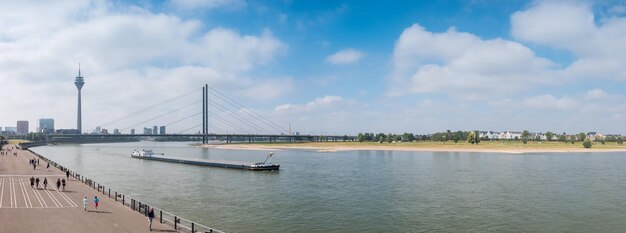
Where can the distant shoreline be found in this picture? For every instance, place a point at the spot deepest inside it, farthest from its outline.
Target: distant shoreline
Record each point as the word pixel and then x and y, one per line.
pixel 508 148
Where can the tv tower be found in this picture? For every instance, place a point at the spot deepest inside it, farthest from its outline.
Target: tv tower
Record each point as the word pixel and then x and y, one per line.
pixel 79 82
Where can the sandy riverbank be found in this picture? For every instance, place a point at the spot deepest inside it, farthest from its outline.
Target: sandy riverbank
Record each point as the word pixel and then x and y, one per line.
pixel 491 147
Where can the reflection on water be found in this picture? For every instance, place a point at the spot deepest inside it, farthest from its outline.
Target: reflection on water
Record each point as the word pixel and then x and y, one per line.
pixel 368 191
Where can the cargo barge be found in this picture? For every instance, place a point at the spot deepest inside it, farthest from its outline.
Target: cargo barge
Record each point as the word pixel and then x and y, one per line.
pixel 261 166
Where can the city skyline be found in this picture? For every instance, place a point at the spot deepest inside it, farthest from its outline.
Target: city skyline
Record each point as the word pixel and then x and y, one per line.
pixel 332 67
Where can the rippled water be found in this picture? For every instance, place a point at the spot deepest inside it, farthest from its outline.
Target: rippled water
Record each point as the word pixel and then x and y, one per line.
pixel 369 191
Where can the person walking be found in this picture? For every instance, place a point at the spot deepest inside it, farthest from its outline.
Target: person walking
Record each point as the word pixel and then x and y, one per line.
pixel 45 183
pixel 63 183
pixel 85 203
pixel 48 166
pixel 34 166
pixel 32 182
pixel 58 183
pixel 96 201
pixel 150 218
pixel 37 182
pixel 67 174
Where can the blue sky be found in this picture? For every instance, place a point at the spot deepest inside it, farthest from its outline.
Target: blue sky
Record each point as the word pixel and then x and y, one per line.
pixel 333 67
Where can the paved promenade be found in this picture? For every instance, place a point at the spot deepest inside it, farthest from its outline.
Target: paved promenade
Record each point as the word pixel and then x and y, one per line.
pixel 26 209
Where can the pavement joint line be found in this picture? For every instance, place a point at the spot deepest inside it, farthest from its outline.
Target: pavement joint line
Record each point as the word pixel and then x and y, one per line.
pixel 40 196
pixel 66 198
pixel 13 196
pixel 37 196
pixel 52 197
pixel 1 191
pixel 25 194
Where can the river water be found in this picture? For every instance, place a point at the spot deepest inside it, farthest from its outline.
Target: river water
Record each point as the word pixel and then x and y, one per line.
pixel 368 191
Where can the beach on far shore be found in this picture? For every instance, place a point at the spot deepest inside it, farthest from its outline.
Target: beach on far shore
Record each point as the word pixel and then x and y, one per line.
pixel 486 147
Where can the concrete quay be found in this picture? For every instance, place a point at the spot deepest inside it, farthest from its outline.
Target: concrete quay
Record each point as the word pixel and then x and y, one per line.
pixel 27 209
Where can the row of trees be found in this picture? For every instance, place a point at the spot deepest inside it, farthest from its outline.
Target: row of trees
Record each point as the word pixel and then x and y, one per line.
pixel 473 137
pixel 470 136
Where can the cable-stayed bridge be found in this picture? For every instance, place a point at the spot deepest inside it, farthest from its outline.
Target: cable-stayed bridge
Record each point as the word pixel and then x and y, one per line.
pixel 202 114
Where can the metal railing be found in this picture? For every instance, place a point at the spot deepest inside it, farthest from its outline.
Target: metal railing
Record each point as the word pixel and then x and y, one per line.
pixel 173 220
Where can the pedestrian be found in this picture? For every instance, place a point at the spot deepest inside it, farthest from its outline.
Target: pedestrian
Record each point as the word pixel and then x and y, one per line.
pixel 37 182
pixel 96 201
pixel 34 166
pixel 58 183
pixel 45 183
pixel 63 183
pixel 150 217
pixel 37 161
pixel 67 174
pixel 32 182
pixel 48 166
pixel 85 203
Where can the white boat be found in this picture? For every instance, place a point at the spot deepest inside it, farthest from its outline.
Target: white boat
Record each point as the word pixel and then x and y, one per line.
pixel 144 153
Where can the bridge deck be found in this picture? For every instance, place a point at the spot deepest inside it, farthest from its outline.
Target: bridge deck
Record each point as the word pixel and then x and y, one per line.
pixel 26 209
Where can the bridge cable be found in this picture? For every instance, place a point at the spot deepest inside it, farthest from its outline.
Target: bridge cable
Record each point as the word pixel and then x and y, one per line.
pixel 247 110
pixel 149 107
pixel 245 121
pixel 230 124
pixel 161 115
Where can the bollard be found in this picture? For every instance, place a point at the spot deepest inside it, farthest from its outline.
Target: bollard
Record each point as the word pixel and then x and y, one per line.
pixel 193 229
pixel 175 223
pixel 123 203
pixel 109 193
pixel 115 195
pixel 161 216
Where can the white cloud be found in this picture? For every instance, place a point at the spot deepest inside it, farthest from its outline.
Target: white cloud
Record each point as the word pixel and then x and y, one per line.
pixel 326 102
pixel 345 56
pixel 596 94
pixel 130 56
pixel 208 4
pixel 461 63
pixel 571 25
pixel 550 102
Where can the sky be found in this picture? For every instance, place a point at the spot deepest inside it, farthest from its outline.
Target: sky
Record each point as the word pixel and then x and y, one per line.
pixel 319 67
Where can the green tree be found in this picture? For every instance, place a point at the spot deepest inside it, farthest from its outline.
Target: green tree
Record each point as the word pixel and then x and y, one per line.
pixel 360 137
pixel 389 138
pixel 587 143
pixel 582 136
pixel 457 136
pixel 476 137
pixel 525 136
pixel 562 138
pixel 471 138
pixel 549 136
pixel 620 140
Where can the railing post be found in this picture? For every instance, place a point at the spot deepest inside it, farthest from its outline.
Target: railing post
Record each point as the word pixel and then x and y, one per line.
pixel 161 216
pixel 115 195
pixel 109 192
pixel 193 229
pixel 123 203
pixel 175 223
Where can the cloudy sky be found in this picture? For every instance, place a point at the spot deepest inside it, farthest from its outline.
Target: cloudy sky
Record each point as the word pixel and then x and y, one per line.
pixel 330 67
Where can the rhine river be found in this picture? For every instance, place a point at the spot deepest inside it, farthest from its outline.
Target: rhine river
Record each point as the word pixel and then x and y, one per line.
pixel 368 191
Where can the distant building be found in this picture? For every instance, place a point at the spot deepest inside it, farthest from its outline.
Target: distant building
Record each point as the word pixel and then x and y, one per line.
pixel 10 129
pixel 105 131
pixel 116 131
pixel 67 131
pixel 162 130
pixel 132 131
pixel 98 130
pixel 155 130
pixel 46 125
pixel 22 127
pixel 147 131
